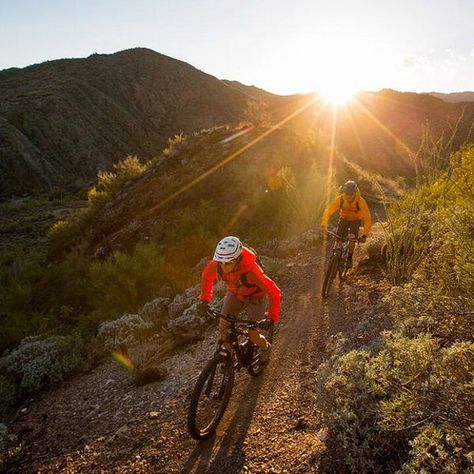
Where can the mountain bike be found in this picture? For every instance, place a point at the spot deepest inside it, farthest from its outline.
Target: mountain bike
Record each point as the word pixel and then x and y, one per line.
pixel 337 261
pixel 213 387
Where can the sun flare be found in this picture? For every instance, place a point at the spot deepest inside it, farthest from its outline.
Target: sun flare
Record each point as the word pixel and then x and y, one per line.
pixel 342 64
pixel 336 95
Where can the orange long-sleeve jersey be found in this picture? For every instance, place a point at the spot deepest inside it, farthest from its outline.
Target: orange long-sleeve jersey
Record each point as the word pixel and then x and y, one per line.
pixel 256 283
pixel 351 211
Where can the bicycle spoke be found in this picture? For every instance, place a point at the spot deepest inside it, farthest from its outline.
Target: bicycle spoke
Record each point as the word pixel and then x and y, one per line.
pixel 210 397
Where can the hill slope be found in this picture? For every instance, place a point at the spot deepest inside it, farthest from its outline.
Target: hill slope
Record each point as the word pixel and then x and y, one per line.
pixel 62 121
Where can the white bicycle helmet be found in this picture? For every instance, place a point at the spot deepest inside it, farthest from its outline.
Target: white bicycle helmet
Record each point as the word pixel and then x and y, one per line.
pixel 228 249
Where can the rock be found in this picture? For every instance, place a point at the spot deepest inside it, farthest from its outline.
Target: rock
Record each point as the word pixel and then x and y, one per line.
pixel 323 434
pixel 153 415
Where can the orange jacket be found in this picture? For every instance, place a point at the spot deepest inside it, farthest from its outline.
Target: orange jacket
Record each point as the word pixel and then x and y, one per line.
pixel 351 211
pixel 261 284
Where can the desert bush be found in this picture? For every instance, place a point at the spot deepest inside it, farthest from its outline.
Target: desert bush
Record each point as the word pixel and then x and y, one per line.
pixel 374 403
pixel 256 112
pixel 437 450
pixel 124 332
pixel 124 282
pixel 37 295
pixel 64 234
pixel 61 234
pixel 37 363
pixel 349 396
pixel 174 144
pixel 421 307
pixel 299 199
pixel 110 182
pixel 408 243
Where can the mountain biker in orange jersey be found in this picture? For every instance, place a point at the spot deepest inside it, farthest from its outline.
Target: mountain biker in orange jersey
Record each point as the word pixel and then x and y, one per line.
pixel 352 209
pixel 247 286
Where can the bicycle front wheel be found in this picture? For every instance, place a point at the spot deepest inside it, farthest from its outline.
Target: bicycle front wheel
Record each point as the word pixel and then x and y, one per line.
pixel 210 397
pixel 330 275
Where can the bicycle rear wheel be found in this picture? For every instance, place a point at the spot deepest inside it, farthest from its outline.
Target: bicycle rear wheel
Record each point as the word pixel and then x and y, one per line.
pixel 210 397
pixel 330 275
pixel 256 366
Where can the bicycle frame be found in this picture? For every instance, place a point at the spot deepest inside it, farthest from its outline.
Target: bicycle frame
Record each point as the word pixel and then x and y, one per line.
pixel 337 261
pixel 234 333
pixel 342 244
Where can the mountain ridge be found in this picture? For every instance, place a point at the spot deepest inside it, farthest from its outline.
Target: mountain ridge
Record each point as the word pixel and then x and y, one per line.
pixel 64 120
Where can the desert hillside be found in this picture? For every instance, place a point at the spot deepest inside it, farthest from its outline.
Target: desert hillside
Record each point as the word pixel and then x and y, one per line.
pixel 63 121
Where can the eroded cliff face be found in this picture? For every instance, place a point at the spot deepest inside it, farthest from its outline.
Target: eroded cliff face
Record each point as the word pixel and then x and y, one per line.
pixel 62 121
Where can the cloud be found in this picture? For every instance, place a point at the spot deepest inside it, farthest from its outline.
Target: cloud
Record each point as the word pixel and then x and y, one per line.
pixel 412 61
pixel 408 62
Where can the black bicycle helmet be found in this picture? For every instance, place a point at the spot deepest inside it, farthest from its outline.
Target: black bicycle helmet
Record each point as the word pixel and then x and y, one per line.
pixel 349 187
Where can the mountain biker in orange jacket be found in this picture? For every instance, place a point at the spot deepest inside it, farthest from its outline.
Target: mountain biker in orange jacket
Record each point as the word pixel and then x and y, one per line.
pixel 247 286
pixel 352 209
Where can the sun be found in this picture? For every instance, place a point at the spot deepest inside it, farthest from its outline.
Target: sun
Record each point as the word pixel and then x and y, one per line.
pixel 341 65
pixel 337 95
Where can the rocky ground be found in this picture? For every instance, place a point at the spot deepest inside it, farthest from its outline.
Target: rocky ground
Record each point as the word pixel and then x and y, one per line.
pixel 103 422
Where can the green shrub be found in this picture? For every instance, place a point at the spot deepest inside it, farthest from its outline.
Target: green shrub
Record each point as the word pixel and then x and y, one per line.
pixel 256 112
pixel 37 363
pixel 174 144
pixel 110 182
pixel 123 283
pixel 439 450
pixel 64 234
pixel 348 396
pixel 422 307
pixel 38 295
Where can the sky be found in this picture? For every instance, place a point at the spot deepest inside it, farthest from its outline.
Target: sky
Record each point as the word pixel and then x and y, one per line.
pixel 285 47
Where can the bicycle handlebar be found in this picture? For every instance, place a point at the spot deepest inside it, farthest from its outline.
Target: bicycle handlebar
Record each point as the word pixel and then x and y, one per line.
pixel 232 319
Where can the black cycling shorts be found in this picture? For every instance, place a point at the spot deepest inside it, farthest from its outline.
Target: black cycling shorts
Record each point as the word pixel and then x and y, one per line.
pixel 344 226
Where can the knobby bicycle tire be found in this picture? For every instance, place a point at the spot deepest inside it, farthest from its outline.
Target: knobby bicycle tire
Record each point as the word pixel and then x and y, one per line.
pixel 330 275
pixel 214 384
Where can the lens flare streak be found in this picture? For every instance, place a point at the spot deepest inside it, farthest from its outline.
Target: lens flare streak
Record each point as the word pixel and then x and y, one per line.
pixel 123 359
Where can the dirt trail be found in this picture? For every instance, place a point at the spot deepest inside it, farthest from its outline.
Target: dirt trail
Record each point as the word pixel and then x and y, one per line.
pixel 102 422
